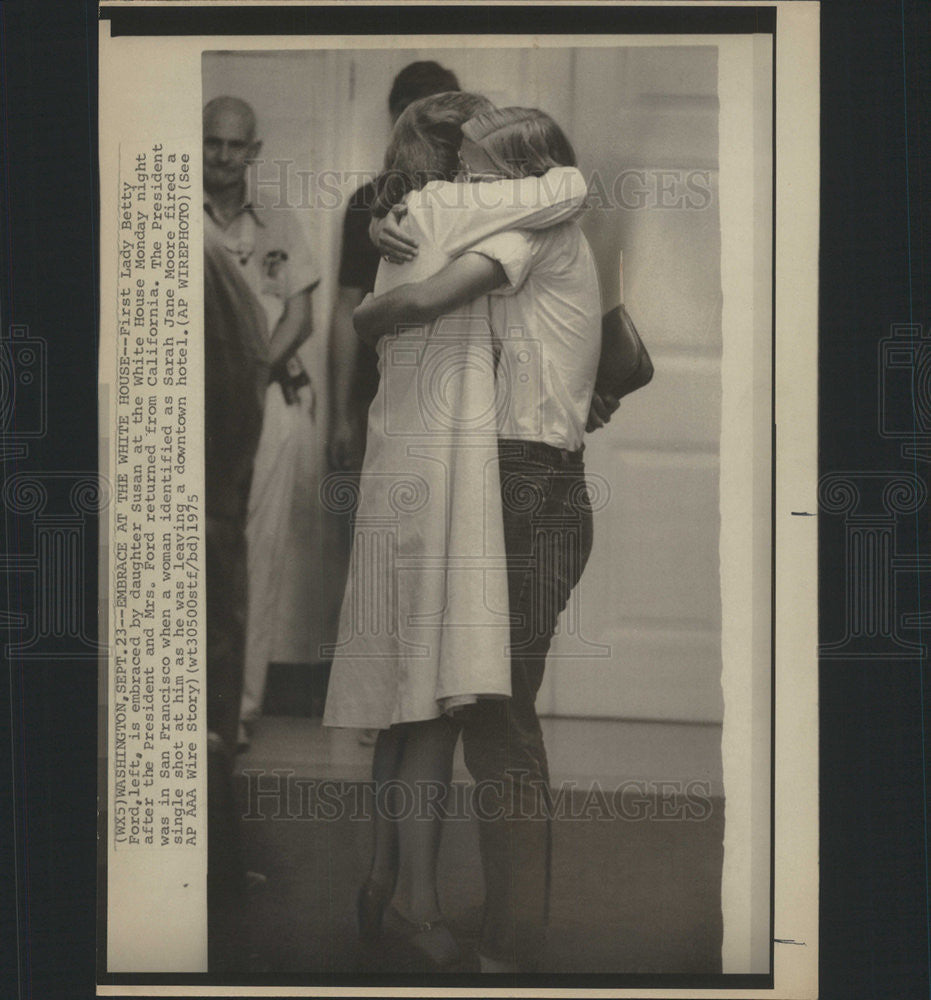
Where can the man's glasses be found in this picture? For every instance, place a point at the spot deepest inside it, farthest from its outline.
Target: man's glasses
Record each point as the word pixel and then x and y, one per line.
pixel 465 170
pixel 468 174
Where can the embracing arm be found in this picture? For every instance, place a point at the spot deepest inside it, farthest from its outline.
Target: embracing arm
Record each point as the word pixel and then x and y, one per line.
pixel 466 278
pixel 457 215
pixel 463 214
pixel 388 234
pixel 343 349
pixel 345 440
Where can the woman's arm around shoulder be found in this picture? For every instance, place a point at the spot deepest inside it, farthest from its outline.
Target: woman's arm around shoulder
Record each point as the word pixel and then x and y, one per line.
pixel 466 278
pixel 461 214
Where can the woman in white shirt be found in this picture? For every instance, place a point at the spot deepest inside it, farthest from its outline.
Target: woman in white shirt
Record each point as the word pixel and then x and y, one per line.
pixel 545 312
pixel 424 623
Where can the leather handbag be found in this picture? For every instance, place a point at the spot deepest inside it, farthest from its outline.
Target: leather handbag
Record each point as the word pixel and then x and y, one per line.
pixel 625 365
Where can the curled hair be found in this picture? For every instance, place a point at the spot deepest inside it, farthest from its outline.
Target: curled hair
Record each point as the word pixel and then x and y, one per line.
pixel 521 142
pixel 424 146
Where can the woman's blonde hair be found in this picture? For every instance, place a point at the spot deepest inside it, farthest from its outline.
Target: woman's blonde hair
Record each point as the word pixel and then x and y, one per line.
pixel 521 142
pixel 425 145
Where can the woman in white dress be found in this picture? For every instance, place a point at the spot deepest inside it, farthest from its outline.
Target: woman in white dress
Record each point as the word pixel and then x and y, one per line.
pixel 425 621
pixel 545 311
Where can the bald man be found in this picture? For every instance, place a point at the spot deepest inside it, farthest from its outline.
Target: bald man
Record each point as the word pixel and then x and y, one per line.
pixel 265 244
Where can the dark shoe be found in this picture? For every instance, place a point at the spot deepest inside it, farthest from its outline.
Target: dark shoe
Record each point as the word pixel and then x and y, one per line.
pixel 244 735
pixel 497 965
pixel 370 908
pixel 255 882
pixel 432 938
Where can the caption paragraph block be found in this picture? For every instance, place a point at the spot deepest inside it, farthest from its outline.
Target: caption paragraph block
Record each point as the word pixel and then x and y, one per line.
pixel 157 668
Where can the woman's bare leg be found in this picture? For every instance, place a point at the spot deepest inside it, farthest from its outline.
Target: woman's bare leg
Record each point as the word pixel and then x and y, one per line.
pixel 425 772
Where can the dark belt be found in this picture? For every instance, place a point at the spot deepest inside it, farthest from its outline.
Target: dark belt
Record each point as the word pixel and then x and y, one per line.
pixel 513 449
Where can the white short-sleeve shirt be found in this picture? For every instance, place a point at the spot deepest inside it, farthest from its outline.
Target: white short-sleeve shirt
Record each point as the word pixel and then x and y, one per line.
pixel 548 322
pixel 271 251
pixel 548 316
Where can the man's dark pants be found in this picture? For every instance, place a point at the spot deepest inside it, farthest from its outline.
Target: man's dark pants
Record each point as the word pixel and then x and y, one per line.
pixel 548 539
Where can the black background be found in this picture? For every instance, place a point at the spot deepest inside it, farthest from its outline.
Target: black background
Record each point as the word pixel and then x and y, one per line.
pixel 874 274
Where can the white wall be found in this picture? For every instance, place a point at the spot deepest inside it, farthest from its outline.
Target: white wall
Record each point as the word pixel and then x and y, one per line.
pixel 650 596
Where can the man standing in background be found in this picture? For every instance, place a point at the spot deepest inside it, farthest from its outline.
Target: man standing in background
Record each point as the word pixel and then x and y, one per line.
pixel 269 249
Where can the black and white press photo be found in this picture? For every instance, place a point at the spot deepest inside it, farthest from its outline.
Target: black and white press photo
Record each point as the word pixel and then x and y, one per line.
pixel 458 599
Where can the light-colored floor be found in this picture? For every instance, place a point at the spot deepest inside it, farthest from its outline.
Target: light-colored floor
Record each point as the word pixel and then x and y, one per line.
pixel 579 750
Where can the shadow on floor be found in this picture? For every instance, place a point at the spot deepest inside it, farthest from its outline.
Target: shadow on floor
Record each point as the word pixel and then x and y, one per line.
pixel 634 892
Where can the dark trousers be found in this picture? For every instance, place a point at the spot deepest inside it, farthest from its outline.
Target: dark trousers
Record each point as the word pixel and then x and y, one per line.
pixel 226 603
pixel 548 539
pixel 226 588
